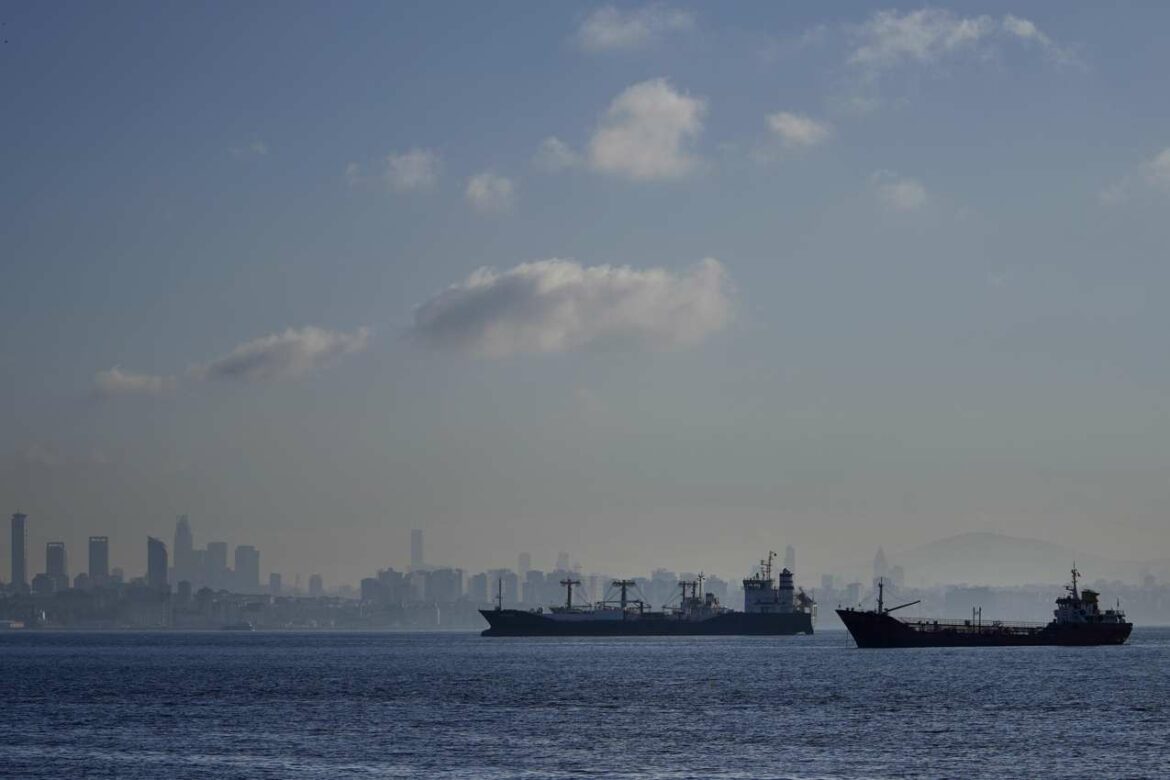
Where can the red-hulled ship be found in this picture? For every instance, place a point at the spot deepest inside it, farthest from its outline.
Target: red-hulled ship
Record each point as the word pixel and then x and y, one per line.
pixel 1078 620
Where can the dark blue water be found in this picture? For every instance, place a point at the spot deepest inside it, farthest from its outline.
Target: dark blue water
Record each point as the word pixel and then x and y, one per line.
pixel 225 705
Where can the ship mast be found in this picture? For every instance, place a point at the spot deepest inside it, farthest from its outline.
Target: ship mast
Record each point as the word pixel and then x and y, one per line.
pixel 1075 574
pixel 766 566
pixel 881 594
pixel 569 583
pixel 623 584
pixel 499 594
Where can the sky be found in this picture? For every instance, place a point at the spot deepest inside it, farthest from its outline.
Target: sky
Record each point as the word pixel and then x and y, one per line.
pixel 665 284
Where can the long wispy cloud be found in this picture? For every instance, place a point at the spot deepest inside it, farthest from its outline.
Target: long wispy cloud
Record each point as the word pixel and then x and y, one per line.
pixel 647 133
pixel 559 305
pixel 412 170
pixel 294 352
pixel 610 28
pixel 116 382
pixel 889 39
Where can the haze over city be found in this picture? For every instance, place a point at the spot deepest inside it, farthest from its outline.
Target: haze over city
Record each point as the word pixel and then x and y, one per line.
pixel 661 285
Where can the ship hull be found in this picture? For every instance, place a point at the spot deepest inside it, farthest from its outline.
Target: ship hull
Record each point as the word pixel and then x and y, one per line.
pixel 517 622
pixel 876 630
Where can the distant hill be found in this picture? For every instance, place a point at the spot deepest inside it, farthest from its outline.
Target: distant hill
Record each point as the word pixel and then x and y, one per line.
pixel 998 559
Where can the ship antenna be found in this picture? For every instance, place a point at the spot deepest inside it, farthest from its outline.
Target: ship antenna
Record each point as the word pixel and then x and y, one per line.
pixel 1075 574
pixel 881 594
pixel 499 593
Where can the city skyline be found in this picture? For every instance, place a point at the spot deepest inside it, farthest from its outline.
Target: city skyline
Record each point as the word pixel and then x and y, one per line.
pixel 208 567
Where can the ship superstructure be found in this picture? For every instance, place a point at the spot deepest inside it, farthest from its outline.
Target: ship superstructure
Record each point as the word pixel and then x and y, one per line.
pixel 772 606
pixel 1077 620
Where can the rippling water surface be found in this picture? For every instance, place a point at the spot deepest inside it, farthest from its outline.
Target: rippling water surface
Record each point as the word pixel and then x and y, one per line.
pixel 277 705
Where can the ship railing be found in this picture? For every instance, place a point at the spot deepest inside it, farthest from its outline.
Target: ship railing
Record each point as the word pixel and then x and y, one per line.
pixel 968 625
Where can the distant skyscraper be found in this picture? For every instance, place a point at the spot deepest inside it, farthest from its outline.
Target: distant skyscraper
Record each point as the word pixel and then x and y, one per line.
pixel 562 561
pixel 790 558
pixel 99 560
pixel 215 561
pixel 316 586
pixel 274 584
pixel 20 550
pixel 524 564
pixel 416 549
pixel 477 589
pixel 156 563
pixel 56 565
pixel 880 567
pixel 184 551
pixel 247 569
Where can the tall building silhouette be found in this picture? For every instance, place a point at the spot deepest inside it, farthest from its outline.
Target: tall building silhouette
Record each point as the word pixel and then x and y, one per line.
pixel 416 549
pixel 215 565
pixel 184 551
pixel 156 563
pixel 524 564
pixel 790 558
pixel 56 564
pixel 274 584
pixel 247 569
pixel 20 550
pixel 99 560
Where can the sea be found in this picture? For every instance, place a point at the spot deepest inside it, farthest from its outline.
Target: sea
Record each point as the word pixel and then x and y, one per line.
pixel 221 705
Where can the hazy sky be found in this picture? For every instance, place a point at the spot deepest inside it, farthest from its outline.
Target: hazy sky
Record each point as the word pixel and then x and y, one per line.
pixel 661 284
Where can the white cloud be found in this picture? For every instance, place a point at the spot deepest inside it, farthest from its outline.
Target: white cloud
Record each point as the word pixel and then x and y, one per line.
pixel 416 169
pixel 888 39
pixel 646 133
pixel 609 28
pixel 1154 173
pixel 555 155
pixel 1157 170
pixel 353 174
pixel 291 353
pixel 489 192
pixel 898 192
pixel 114 381
pixel 256 148
pixel 1116 193
pixel 796 130
pixel 559 305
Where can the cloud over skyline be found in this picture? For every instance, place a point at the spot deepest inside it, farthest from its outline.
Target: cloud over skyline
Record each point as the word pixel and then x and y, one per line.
pixel 611 28
pixel 559 305
pixel 647 133
pixel 293 352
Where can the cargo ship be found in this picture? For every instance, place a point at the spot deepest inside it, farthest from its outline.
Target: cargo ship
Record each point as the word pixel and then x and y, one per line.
pixel 772 607
pixel 1077 620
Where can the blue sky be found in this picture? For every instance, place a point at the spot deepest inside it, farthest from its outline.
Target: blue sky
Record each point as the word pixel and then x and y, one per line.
pixel 760 274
